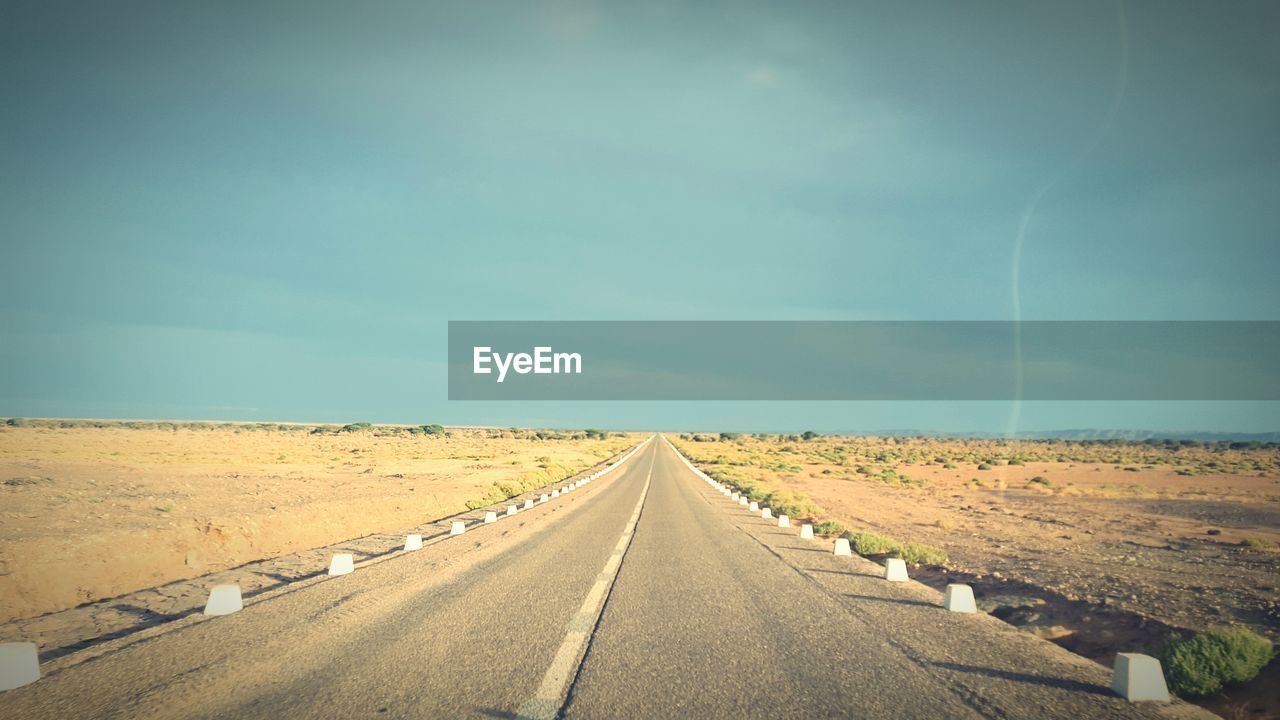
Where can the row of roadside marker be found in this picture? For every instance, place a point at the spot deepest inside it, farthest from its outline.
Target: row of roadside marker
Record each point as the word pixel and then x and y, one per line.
pixel 344 563
pixel 1135 677
pixel 20 661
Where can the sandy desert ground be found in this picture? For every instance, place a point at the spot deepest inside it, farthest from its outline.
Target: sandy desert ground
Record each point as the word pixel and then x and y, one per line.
pixel 1101 547
pixel 95 512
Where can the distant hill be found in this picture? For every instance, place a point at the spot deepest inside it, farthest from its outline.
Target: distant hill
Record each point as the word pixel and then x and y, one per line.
pixel 1094 434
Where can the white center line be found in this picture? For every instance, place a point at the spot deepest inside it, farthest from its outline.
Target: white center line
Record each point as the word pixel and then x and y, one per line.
pixel 546 702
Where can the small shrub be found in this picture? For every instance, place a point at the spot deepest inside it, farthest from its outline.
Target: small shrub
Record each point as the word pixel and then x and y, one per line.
pixel 916 554
pixel 830 527
pixel 1202 664
pixel 1257 543
pixel 432 429
pixel 495 494
pixel 869 543
pixel 791 504
pixel 983 466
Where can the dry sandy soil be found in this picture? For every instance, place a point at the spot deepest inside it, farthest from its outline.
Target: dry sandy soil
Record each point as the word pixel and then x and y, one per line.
pixel 96 512
pixel 1110 551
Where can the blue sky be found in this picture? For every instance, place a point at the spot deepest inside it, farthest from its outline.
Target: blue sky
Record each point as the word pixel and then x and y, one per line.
pixel 271 212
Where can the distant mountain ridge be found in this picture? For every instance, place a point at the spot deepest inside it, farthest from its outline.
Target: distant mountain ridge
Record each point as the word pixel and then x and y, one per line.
pixel 1092 434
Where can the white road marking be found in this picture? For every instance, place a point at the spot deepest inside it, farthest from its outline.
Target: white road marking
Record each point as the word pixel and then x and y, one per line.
pixel 546 702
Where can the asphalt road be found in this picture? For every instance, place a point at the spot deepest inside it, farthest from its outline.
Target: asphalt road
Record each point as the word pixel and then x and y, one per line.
pixel 642 594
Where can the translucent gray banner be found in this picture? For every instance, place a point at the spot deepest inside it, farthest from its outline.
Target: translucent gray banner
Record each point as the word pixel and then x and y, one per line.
pixel 911 360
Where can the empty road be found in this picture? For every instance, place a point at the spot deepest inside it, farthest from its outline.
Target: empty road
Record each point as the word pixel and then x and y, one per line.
pixel 643 594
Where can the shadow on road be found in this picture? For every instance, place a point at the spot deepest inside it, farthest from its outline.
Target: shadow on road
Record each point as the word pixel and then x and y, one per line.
pixel 896 601
pixel 849 573
pixel 1060 683
pixel 807 549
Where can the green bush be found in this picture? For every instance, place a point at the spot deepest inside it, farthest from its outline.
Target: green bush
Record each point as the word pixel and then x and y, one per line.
pixel 830 527
pixel 983 466
pixel 1202 664
pixel 433 429
pixel 792 504
pixel 917 554
pixel 869 543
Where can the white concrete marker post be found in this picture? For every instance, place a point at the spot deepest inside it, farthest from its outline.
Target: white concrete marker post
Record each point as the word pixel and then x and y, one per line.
pixel 806 532
pixel 19 664
pixel 555 493
pixel 511 510
pixel 742 500
pixel 784 521
pixel 342 564
pixel 766 513
pixel 413 542
pixel 1138 678
pixel 490 517
pixel 223 600
pixel 457 528
pixel 895 570
pixel 959 599
pixel 544 498
pixel 528 503
pixel 842 547
pixel 753 506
